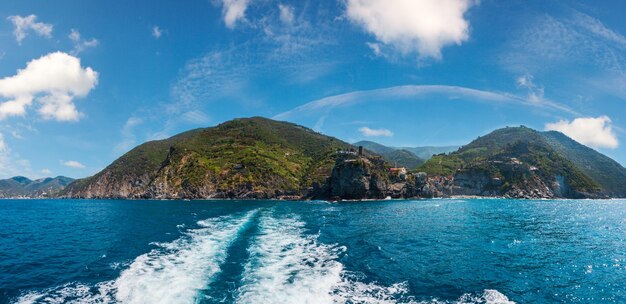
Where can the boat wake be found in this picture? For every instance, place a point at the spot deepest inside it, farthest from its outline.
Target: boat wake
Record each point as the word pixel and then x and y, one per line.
pixel 288 266
pixel 285 265
pixel 173 273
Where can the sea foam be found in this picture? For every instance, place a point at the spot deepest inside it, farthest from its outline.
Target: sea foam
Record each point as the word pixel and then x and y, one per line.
pixel 174 273
pixel 178 271
pixel 289 266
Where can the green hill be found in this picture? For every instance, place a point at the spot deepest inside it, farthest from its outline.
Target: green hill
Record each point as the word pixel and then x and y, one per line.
pixel 601 168
pixel 250 157
pixel 551 159
pixel 401 157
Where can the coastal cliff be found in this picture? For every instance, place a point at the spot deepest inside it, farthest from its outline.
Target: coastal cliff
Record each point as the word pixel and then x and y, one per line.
pixel 259 158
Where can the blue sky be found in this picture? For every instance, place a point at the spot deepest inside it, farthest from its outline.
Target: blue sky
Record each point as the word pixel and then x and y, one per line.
pixel 82 82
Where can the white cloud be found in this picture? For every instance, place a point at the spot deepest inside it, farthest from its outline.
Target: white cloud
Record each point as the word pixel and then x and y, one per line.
pixel 25 24
pixel 128 136
pixel 10 163
pixel 423 27
pixel 286 13
pixel 3 145
pixel 577 39
pixel 233 11
pixel 415 91
pixel 46 172
pixel 157 32
pixel 54 80
pixel 595 132
pixel 535 92
pixel 74 164
pixel 375 132
pixel 81 44
pixel 376 48
pixel 196 117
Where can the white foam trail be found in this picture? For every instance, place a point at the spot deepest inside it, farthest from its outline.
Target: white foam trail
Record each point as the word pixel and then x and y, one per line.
pixel 71 293
pixel 488 296
pixel 184 267
pixel 174 273
pixel 288 266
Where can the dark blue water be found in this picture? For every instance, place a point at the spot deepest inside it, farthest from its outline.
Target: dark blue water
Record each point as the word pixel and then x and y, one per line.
pixel 429 251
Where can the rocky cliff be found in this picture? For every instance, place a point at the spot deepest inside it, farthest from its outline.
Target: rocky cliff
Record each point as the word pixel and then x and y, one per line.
pixel 258 158
pixel 243 158
pixel 369 177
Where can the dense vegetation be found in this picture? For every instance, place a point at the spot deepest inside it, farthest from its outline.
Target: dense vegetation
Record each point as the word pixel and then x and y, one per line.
pixel 551 154
pixel 261 158
pixel 254 154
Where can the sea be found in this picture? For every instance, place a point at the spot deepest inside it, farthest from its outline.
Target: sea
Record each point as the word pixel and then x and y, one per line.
pixel 395 251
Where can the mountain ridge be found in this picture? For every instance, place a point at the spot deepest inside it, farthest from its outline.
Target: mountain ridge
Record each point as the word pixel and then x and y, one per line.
pixel 555 159
pixel 23 187
pixel 259 158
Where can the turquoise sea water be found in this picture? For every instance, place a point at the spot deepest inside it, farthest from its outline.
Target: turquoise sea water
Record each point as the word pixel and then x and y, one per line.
pixel 424 251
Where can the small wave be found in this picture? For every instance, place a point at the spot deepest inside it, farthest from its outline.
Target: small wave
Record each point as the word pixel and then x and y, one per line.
pixel 488 296
pixel 288 266
pixel 173 273
pixel 71 293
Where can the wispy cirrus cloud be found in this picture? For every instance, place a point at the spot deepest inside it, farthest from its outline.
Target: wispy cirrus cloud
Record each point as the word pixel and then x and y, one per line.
pixel 25 24
pixel 287 47
pixel 11 164
pixel 81 44
pixel 129 138
pixel 555 41
pixel 572 44
pixel 411 91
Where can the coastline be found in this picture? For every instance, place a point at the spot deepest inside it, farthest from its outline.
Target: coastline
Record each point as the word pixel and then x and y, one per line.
pixel 453 197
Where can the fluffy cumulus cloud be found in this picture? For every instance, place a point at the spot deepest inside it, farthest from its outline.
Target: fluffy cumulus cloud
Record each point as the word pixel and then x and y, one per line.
pixel 73 164
pixel 596 132
pixel 233 11
pixel 54 81
pixel 375 132
pixel 423 27
pixel 23 25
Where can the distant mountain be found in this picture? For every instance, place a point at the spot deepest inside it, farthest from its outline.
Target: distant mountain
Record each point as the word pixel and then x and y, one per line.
pixel 523 162
pixel 422 153
pixel 394 156
pixel 20 186
pixel 427 152
pixel 242 158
